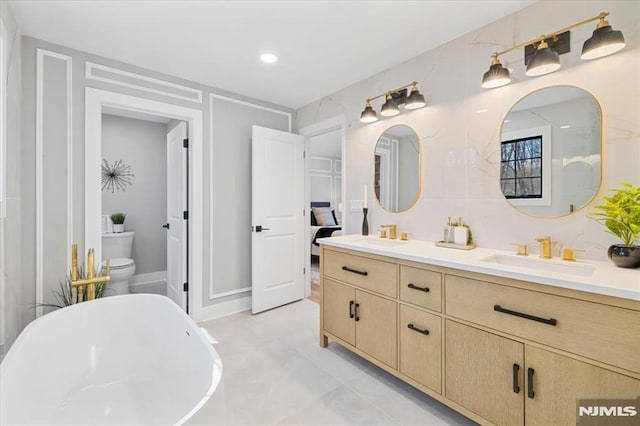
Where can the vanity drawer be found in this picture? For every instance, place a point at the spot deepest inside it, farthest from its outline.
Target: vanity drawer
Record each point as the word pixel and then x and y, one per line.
pixel 371 274
pixel 421 287
pixel 601 332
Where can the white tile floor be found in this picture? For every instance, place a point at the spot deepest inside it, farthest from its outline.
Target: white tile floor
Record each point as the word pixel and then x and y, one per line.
pixel 275 372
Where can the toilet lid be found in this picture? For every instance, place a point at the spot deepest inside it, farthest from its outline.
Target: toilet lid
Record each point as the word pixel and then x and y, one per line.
pixel 120 263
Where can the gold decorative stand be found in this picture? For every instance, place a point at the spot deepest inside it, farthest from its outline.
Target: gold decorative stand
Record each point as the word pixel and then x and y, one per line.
pixel 88 284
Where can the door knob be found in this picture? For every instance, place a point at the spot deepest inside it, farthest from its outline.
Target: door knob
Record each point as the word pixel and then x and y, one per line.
pixel 259 228
pixel 166 226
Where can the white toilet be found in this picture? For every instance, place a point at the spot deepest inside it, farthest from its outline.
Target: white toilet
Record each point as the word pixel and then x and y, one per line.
pixel 119 248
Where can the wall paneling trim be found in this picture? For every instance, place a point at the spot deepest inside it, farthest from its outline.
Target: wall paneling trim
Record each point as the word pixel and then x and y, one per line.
pixel 132 80
pixel 42 138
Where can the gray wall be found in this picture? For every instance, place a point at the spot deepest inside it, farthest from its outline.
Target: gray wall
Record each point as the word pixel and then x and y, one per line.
pixel 142 145
pixel 231 192
pixel 11 317
pixel 229 163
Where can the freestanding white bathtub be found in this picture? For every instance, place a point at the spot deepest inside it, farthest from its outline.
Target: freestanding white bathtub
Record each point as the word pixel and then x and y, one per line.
pixel 130 359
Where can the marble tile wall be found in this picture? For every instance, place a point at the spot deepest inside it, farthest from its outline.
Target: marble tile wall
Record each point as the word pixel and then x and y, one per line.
pixel 461 145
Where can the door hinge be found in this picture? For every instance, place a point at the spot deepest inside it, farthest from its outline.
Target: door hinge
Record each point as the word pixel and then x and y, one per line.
pixel 185 215
pixel 304 212
pixel 304 271
pixel 185 287
pixel 304 154
pixel 185 143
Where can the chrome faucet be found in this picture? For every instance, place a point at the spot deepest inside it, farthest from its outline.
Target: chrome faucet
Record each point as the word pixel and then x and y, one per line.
pixel 545 247
pixel 392 231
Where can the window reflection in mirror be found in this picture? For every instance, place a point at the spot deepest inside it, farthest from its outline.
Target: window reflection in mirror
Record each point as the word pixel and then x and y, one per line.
pixel 550 162
pixel 397 168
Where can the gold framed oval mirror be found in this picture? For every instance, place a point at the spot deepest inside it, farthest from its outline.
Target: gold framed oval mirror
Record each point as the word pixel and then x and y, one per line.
pixel 550 151
pixel 397 168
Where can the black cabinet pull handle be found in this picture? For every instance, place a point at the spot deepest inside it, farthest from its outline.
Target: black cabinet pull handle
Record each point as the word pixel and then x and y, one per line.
pixel 414 328
pixel 355 271
pixel 357 317
pixel 166 226
pixel 516 386
pixel 351 309
pixel 530 392
pixel 415 287
pixel 550 321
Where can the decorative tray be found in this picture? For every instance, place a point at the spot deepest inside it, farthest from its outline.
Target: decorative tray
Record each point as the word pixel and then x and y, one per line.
pixel 455 246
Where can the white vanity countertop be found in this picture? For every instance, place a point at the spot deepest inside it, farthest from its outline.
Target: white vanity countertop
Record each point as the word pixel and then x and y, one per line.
pixel 593 277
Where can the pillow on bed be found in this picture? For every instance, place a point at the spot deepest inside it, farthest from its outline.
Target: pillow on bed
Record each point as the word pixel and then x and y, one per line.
pixel 314 222
pixel 324 216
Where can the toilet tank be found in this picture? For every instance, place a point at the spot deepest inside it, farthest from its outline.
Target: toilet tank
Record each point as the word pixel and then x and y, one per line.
pixel 117 245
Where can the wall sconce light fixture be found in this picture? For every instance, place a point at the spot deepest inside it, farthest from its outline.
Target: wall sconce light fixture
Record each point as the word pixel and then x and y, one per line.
pixel 394 98
pixel 542 53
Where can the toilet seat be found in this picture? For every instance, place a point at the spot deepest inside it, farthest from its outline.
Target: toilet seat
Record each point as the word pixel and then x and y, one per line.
pixel 120 263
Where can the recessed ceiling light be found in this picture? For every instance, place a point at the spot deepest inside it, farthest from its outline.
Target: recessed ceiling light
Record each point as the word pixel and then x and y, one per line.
pixel 269 58
pixel 480 111
pixel 565 126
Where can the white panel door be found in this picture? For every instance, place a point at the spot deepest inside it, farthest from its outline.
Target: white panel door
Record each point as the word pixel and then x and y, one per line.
pixel 277 206
pixel 176 206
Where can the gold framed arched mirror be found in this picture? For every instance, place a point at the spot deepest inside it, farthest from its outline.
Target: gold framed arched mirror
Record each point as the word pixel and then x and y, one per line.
pixel 550 151
pixel 397 170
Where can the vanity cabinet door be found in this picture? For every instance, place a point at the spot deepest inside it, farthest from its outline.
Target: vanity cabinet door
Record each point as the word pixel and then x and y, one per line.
pixel 421 347
pixel 558 382
pixel 377 327
pixel 480 372
pixel 338 304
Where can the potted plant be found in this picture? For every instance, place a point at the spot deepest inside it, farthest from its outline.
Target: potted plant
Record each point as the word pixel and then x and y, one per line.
pixel 620 213
pixel 118 221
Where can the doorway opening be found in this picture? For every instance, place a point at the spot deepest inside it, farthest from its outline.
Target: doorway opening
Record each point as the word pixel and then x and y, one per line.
pixel 181 146
pixel 144 183
pixel 325 183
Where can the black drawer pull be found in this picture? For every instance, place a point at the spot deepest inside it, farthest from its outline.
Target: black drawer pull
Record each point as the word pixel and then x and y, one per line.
pixel 357 317
pixel 415 287
pixel 550 321
pixel 351 309
pixel 355 271
pixel 530 392
pixel 414 328
pixel 516 386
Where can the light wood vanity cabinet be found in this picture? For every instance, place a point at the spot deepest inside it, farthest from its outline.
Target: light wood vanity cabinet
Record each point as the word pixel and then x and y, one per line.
pixel 421 347
pixel 511 383
pixel 361 318
pixel 558 381
pixel 480 373
pixel 500 351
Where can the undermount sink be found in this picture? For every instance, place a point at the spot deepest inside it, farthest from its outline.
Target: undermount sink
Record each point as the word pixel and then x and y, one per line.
pixel 538 264
pixel 381 242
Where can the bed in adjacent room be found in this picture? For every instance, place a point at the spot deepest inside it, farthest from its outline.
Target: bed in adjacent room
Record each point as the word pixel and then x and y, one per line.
pixel 323 224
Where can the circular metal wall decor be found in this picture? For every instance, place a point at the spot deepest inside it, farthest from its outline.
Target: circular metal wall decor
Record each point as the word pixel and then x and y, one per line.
pixel 115 176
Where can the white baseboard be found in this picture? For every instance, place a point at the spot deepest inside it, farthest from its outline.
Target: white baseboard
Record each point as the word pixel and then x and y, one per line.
pixel 148 278
pixel 223 309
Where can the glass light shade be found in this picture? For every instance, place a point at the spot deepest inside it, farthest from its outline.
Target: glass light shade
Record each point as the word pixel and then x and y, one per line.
pixel 390 108
pixel 368 115
pixel 544 61
pixel 415 100
pixel 603 42
pixel 496 76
